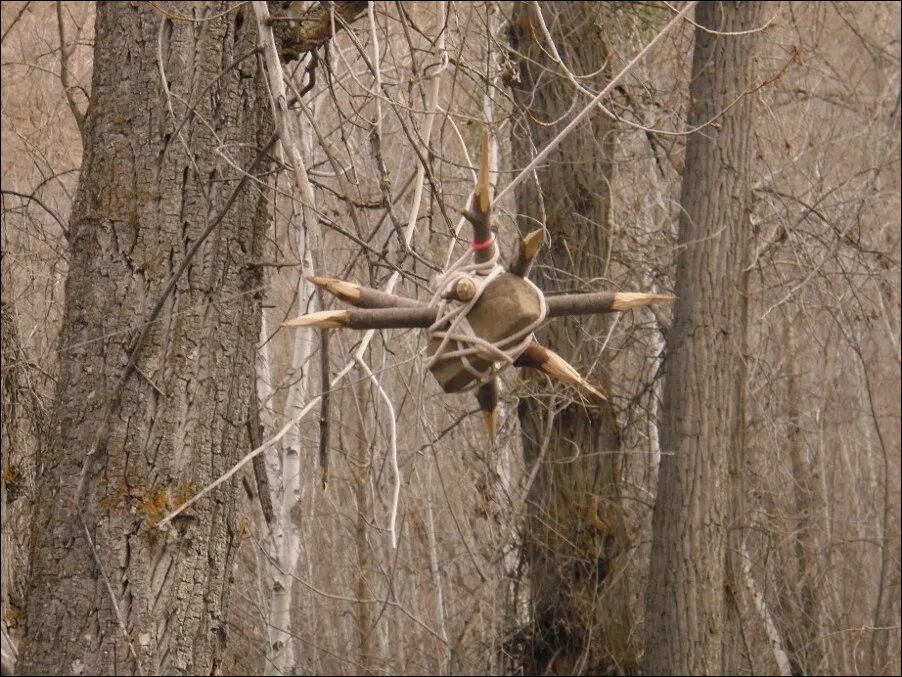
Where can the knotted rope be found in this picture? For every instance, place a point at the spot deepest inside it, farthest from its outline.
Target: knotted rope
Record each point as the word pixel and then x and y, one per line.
pixel 453 329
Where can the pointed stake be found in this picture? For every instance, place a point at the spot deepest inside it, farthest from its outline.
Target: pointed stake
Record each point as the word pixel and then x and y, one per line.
pixel 529 246
pixel 359 296
pixel 601 302
pixel 480 213
pixel 487 395
pixel 630 300
pixel 483 198
pixel 422 316
pixel 346 291
pixel 324 319
pixel 548 361
pixel 368 318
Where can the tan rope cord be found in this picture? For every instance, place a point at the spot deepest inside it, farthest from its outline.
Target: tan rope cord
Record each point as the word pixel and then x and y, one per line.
pixel 456 336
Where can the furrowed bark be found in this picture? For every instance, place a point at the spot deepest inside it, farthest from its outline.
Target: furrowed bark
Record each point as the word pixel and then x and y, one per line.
pixel 579 601
pixel 140 206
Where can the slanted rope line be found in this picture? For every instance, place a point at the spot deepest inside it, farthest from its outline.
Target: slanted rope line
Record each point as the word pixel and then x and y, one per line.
pixel 453 329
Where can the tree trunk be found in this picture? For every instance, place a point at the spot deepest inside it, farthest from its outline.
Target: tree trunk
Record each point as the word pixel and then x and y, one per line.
pixel 701 407
pixel 806 643
pixel 575 537
pixel 149 187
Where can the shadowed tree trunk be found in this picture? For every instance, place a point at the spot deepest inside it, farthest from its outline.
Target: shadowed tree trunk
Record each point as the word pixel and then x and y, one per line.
pixel 149 187
pixel 575 537
pixel 702 410
pixel 806 639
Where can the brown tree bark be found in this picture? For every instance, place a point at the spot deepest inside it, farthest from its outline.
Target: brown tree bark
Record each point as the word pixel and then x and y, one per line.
pixel 702 394
pixel 150 185
pixel 575 537
pixel 805 640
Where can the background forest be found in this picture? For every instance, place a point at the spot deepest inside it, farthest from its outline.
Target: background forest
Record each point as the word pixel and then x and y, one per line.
pixel 169 184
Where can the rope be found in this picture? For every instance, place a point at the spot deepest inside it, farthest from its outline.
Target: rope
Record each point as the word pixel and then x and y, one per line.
pixel 456 335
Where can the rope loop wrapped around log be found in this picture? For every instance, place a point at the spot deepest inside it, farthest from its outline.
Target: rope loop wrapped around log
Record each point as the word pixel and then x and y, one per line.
pixel 453 330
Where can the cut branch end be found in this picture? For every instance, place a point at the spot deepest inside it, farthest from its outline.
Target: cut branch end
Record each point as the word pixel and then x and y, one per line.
pixel 324 319
pixel 346 291
pixel 549 362
pixel 630 300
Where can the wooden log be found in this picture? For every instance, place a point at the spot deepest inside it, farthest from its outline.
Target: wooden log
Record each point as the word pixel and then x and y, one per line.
pixel 508 305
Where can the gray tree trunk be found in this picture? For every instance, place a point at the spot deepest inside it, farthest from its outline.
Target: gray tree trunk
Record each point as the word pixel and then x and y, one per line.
pixel 701 407
pixel 142 201
pixel 575 536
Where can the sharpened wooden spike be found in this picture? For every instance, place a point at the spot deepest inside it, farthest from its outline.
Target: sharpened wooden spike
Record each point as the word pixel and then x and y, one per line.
pixel 490 418
pixel 346 291
pixel 531 242
pixel 630 300
pixel 483 185
pixel 360 296
pixel 545 360
pixel 529 246
pixel 324 319
pixel 487 395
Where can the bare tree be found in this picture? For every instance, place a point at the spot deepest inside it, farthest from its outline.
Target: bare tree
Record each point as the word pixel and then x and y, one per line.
pixel 701 408
pixel 161 323
pixel 575 534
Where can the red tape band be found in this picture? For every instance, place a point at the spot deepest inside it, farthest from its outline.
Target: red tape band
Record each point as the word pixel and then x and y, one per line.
pixel 482 245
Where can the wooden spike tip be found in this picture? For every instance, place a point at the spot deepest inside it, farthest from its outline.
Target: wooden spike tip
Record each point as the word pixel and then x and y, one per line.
pixel 346 291
pixel 556 366
pixel 483 197
pixel 629 300
pixel 530 244
pixel 549 362
pixel 324 319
